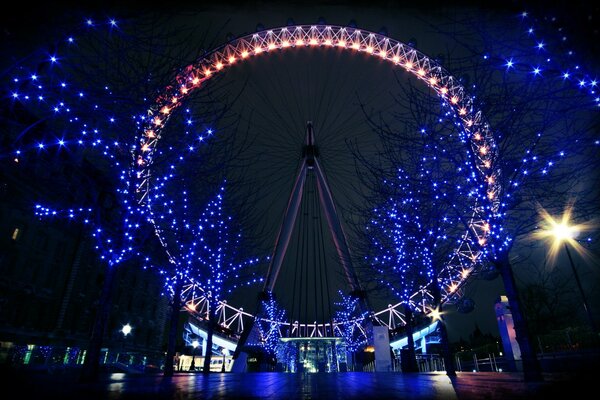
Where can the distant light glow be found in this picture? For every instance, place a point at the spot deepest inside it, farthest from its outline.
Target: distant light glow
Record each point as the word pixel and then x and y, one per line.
pixel 126 329
pixel 562 231
pixel 435 314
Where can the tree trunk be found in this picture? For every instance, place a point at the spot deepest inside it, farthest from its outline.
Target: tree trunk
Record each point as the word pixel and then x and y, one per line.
pixel 531 366
pixel 173 325
pixel 209 340
pixel 446 353
pixel 410 365
pixel 91 364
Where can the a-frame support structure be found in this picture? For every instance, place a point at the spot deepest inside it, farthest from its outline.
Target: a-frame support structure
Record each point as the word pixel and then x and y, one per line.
pixel 309 164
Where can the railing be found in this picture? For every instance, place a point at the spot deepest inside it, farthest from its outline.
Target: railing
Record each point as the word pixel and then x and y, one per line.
pixel 489 362
pixel 425 362
pixel 58 358
pixel 370 367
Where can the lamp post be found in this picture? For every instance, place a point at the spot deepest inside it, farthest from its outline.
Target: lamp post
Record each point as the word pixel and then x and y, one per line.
pixel 125 330
pixel 563 234
pixel 225 353
pixel 195 344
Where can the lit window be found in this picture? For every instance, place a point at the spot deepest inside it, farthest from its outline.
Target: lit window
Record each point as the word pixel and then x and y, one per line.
pixel 16 234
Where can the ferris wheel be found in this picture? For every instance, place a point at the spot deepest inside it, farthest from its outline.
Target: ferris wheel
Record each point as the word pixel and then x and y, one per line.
pixel 465 260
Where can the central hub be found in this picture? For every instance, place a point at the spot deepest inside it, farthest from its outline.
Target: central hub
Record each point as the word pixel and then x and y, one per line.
pixel 309 150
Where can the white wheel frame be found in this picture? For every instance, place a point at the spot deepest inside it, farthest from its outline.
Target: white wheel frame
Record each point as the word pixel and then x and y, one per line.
pixel 466 256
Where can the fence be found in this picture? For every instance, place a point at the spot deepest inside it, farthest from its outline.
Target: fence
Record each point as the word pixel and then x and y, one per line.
pixel 57 358
pixel 425 362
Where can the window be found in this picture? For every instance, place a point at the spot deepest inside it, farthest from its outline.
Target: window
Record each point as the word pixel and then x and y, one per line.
pixel 16 234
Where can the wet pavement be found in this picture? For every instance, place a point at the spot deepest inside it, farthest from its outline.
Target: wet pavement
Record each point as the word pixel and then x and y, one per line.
pixel 272 385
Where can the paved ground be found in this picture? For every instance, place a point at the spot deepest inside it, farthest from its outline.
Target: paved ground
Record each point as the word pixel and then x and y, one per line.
pixel 271 385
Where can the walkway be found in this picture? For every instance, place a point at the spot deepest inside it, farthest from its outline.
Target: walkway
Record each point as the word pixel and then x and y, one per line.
pixel 345 386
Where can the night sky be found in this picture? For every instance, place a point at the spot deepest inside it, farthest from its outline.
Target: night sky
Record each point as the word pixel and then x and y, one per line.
pixel 284 93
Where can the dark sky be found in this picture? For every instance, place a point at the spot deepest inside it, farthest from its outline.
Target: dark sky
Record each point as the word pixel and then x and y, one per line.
pixel 28 27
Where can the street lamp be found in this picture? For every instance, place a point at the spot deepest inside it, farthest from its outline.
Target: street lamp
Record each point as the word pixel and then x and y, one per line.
pixel 563 233
pixel 126 329
pixel 195 344
pixel 435 314
pixel 225 353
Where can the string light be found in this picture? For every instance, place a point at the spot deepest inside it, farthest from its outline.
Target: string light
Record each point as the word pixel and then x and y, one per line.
pixel 348 320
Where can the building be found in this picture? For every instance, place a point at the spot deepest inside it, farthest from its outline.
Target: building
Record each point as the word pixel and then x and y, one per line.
pixel 51 277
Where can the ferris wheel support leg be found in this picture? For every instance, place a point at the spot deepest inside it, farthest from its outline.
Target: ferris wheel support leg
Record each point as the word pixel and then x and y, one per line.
pixel 337 232
pixel 285 232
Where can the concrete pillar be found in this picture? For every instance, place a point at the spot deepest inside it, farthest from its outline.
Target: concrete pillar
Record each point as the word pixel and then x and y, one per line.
pixel 506 326
pixel 381 342
pixel 204 344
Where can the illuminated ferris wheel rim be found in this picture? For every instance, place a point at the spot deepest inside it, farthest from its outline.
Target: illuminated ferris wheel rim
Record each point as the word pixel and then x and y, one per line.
pixel 398 54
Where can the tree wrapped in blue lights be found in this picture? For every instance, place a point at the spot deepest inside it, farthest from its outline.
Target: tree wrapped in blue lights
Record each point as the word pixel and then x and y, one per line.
pixel 68 107
pixel 215 261
pixel 269 322
pixel 540 108
pixel 348 321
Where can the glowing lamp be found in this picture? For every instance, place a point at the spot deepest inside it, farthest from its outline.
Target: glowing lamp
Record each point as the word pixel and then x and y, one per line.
pixel 126 329
pixel 563 231
pixel 435 314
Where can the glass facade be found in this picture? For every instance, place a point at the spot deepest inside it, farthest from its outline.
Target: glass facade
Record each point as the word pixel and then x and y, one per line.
pixel 312 354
